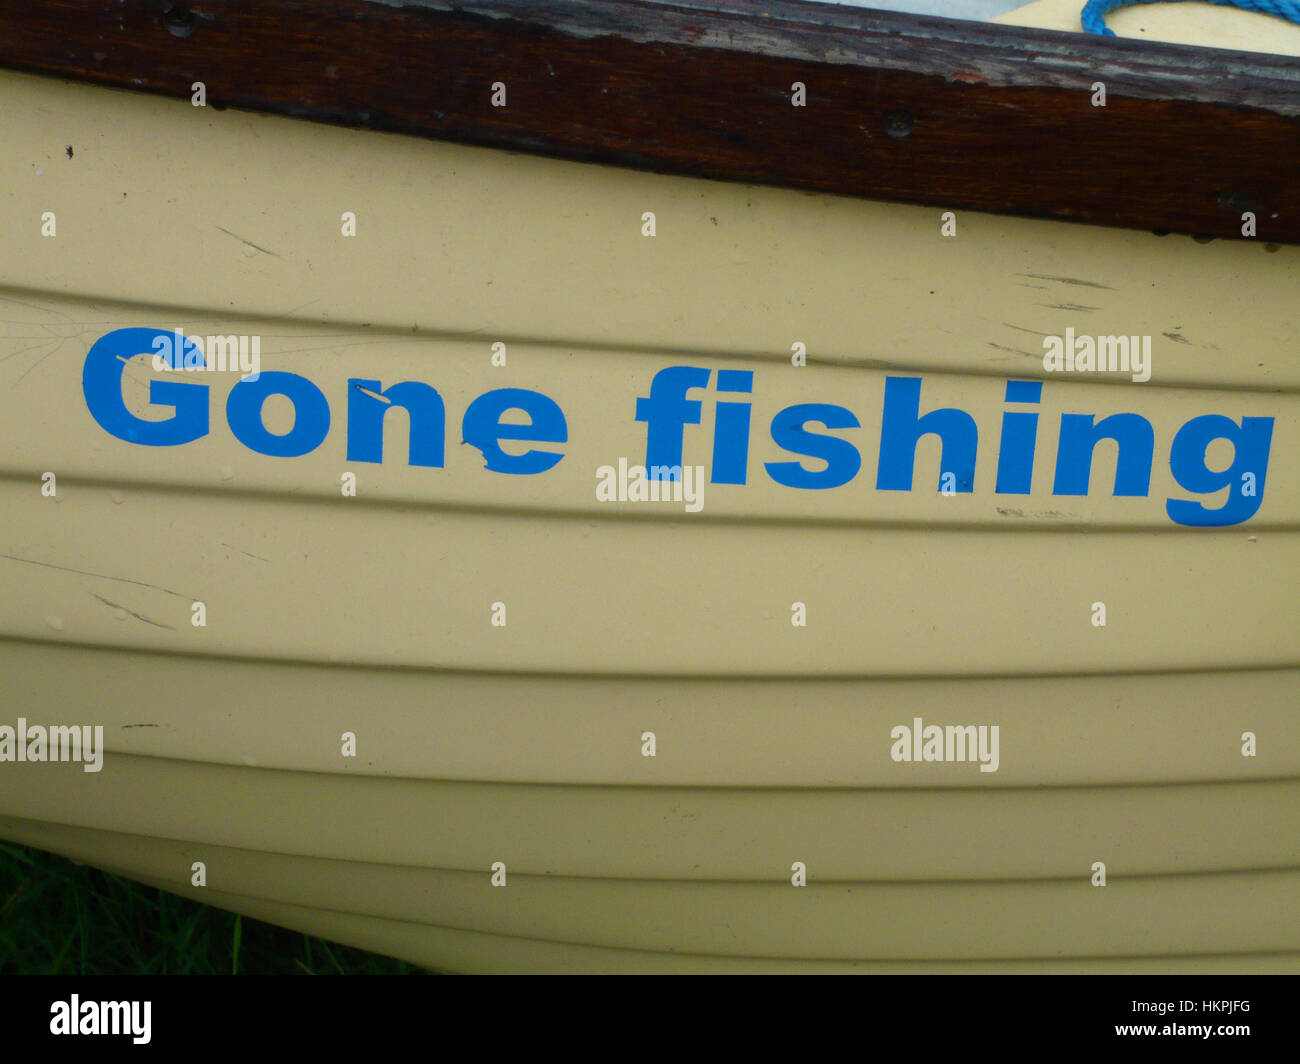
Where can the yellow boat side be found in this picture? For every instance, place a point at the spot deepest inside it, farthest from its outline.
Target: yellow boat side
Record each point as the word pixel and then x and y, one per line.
pixel 613 735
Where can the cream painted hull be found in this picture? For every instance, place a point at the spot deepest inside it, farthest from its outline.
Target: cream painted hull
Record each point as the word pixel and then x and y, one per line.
pixel 523 744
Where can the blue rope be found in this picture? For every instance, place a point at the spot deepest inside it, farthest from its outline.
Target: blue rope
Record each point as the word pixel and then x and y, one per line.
pixel 1095 11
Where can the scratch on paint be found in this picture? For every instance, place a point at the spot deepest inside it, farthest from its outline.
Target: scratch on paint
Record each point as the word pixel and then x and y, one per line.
pixel 1011 511
pixel 1013 350
pixel 138 617
pixel 1021 328
pixel 53 350
pixel 1176 338
pixel 98 576
pixel 258 247
pixel 373 394
pixel 246 554
pixel 68 330
pixel 1068 306
pixel 1066 280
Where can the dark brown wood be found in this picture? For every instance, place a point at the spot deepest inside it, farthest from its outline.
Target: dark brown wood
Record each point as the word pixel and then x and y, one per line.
pixel 923 110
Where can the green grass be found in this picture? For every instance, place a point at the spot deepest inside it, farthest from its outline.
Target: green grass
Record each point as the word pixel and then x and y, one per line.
pixel 61 918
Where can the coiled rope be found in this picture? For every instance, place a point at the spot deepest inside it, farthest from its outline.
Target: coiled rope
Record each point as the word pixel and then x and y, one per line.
pixel 1095 11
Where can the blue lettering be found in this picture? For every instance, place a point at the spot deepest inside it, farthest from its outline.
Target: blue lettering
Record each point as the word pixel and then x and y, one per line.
pixel 1019 439
pixel 901 428
pixel 666 412
pixel 1079 436
pixel 427 420
pixel 842 459
pixel 1251 441
pixel 731 432
pixel 482 428
pixel 101 382
pixel 311 420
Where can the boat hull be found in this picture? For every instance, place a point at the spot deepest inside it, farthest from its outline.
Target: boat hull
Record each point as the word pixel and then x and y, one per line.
pixel 500 644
